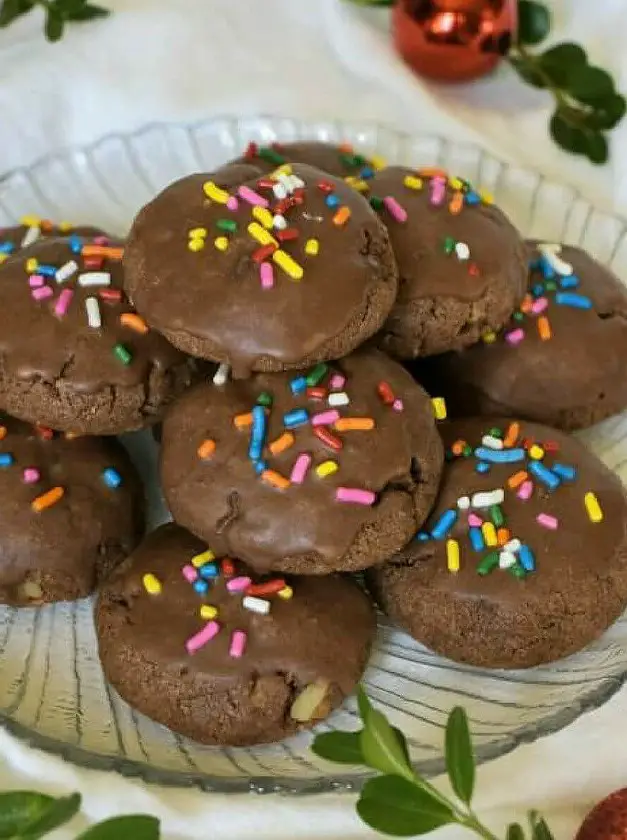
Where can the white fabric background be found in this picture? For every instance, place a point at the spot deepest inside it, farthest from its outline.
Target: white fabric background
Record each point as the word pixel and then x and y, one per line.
pixel 166 60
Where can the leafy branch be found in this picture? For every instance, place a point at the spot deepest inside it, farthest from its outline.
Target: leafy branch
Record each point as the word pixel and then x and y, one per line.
pixel 58 13
pixel 402 803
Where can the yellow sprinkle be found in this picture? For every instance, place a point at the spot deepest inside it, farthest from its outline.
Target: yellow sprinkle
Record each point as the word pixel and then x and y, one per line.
pixel 215 193
pixel 260 234
pixel 196 244
pixel 412 182
pixel 3 258
pixel 65 227
pixel 455 183
pixel 264 216
pixel 198 233
pixel 326 468
pixel 32 265
pixel 312 247
pixel 221 243
pixel 536 452
pixel 489 534
pixel 452 555
pixel 377 162
pixel 489 337
pixel 595 514
pixel 361 186
pixel 200 559
pixel 31 221
pixel 286 593
pixel 289 266
pixel 486 197
pixel 152 584
pixel 283 169
pixel 439 408
pixel 208 612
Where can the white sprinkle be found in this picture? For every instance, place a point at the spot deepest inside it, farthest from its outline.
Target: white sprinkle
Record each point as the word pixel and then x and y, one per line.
pixel 287 182
pixel 279 222
pixel 462 250
pixel 338 398
pixel 222 374
pixel 484 500
pixel 557 263
pixel 506 559
pixel 552 247
pixel 296 182
pixel 463 503
pixel 31 236
pixel 309 218
pixel 513 546
pixel 279 191
pixel 492 442
pixel 66 271
pixel 257 605
pixel 93 312
pixel 95 278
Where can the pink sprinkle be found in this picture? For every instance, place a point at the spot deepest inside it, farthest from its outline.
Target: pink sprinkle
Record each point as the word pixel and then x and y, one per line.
pixel 300 469
pixel 325 418
pixel 252 197
pixel 438 191
pixel 395 210
pixel 238 644
pixel 101 240
pixel 31 475
pixel 232 203
pixel 238 584
pixel 337 382
pixel 526 489
pixel 398 404
pixel 358 497
pixel 42 293
pixel 266 275
pixel 208 632
pixel 474 521
pixel 547 521
pixel 515 336
pixel 189 573
pixel 35 281
pixel 63 302
pixel 539 305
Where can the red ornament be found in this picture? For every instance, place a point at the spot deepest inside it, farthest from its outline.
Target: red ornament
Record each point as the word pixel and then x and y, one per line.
pixel 454 40
pixel 607 820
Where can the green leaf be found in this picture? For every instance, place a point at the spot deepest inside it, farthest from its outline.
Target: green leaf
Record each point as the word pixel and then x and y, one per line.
pixel 12 9
pixel 365 707
pixel 528 71
pixel 578 139
pixel 539 828
pixel 460 761
pixel 395 806
pixel 597 149
pixel 558 62
pixel 58 812
pixel 534 22
pixel 589 84
pixel 19 809
pixel 515 832
pixel 341 747
pixel 88 12
pixel 607 112
pixel 567 136
pixel 135 827
pixel 382 747
pixel 54 24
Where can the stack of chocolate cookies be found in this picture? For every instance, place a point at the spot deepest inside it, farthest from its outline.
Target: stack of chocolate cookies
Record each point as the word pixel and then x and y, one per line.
pixel 359 368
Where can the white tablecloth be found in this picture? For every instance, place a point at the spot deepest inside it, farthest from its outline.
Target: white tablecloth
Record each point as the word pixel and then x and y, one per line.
pixel 164 60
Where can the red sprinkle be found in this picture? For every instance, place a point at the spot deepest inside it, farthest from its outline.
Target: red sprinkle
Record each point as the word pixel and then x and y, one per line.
pixel 44 432
pixel 328 438
pixel 251 151
pixel 265 184
pixel 271 587
pixel 228 567
pixel 110 295
pixel 386 393
pixel 317 393
pixel 473 269
pixel 281 207
pixel 287 234
pixel 93 262
pixel 263 253
pixel 325 186
pixel 551 446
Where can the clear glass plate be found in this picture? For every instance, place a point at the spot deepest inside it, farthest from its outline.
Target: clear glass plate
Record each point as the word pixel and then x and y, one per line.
pixel 52 690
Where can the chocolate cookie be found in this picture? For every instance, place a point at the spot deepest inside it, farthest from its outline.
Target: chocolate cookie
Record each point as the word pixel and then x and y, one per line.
pixel 32 229
pixel 244 660
pixel 561 358
pixel 524 558
pixel 269 274
pixel 74 355
pixel 462 264
pixel 328 470
pixel 72 510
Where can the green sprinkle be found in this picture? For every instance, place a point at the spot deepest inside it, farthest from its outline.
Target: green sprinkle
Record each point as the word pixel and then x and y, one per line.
pixel 497 516
pixel 467 451
pixel 349 160
pixel 265 399
pixel 122 354
pixel 376 203
pixel 518 316
pixel 316 375
pixel 227 225
pixel 497 433
pixel 360 160
pixel 449 455
pixel 488 564
pixel 517 571
pixel 551 285
pixel 271 155
pixel 449 245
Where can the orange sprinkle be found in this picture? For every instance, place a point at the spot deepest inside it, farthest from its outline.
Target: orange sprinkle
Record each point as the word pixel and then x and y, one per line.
pixel 346 148
pixel 206 449
pixel 456 204
pixel 243 421
pixel 544 328
pixel 503 536
pixel 517 479
pixel 3 432
pixel 526 304
pixel 458 447
pixel 275 479
pixel 342 216
pixel 354 424
pixel 282 443
pixel 512 435
pixel 134 322
pixel 46 226
pixel 72 435
pixel 432 172
pixel 102 251
pixel 48 499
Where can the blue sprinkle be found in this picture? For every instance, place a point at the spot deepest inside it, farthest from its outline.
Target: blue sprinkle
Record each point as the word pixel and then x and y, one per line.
pixel 6 247
pixel 201 586
pixel 576 301
pixel 482 467
pixel 112 478
pixel 208 570
pixel 332 200
pixel 547 477
pixel 258 433
pixel 538 290
pixel 526 558
pixel 46 270
pixel 472 197
pixel 548 272
pixel 298 385
pixel 500 456
pixel 534 264
pixel 6 460
pixel 476 539
pixel 569 282
pixel 422 536
pixel 294 418
pixel 366 173
pixel 260 466
pixel 444 524
pixel 565 472
pixel 76 244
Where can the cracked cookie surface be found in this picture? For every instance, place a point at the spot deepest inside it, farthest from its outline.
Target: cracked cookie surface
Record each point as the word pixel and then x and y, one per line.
pixel 244 660
pixel 331 469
